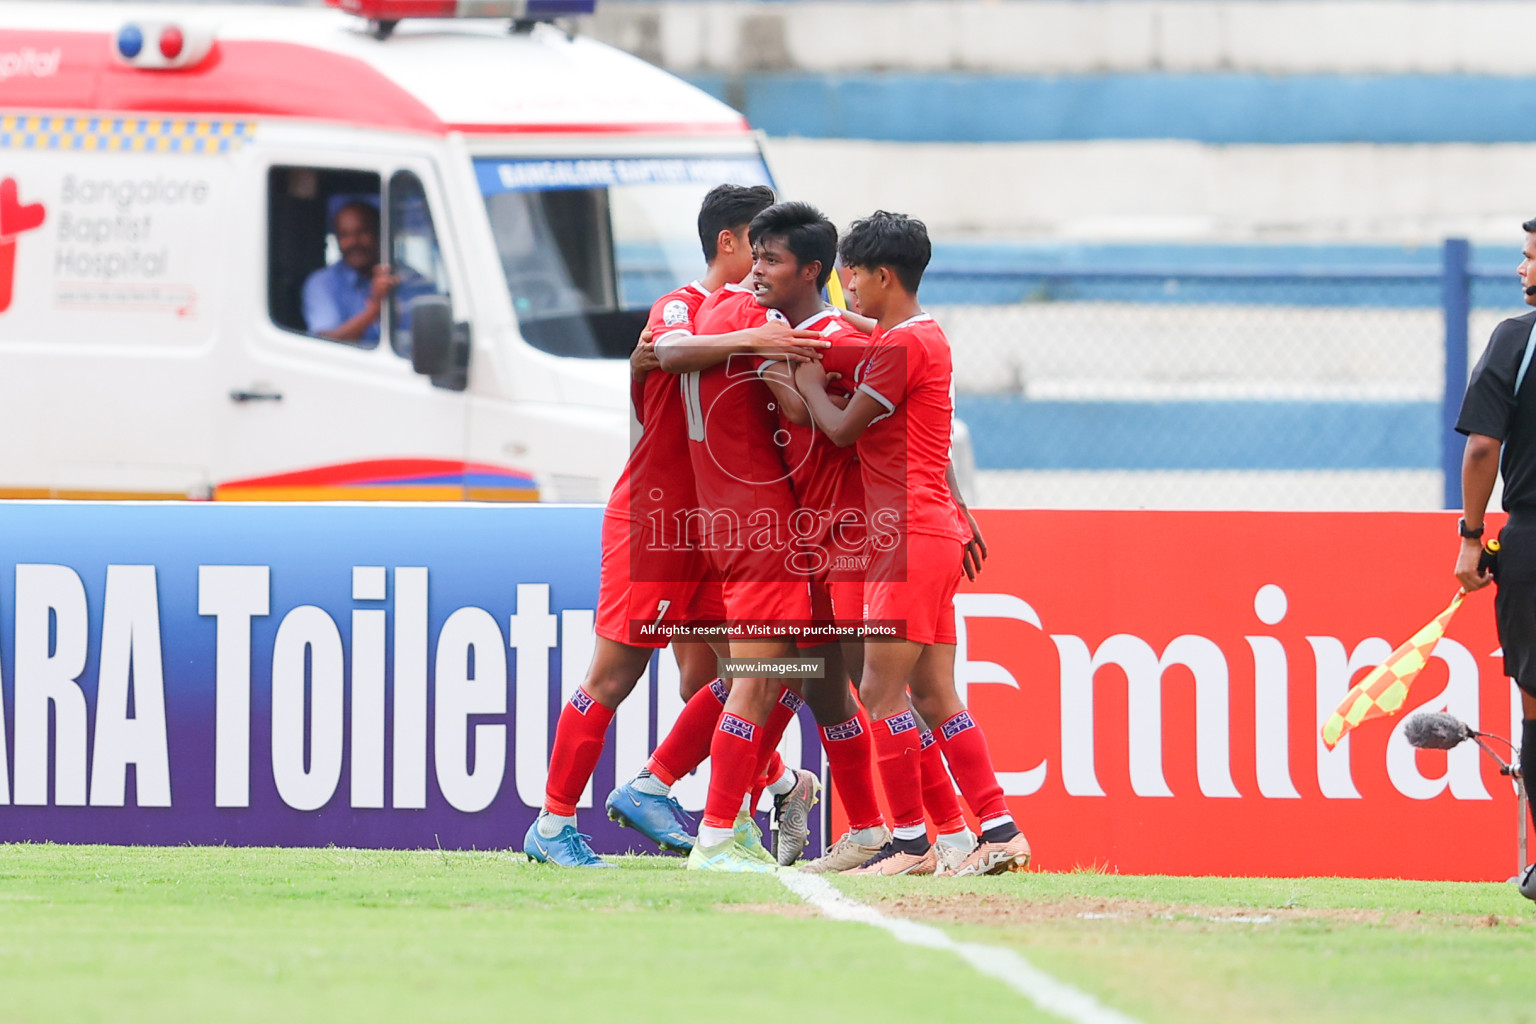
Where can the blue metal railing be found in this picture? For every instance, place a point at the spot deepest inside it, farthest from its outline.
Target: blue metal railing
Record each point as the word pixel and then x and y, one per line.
pixel 1456 292
pixel 1395 286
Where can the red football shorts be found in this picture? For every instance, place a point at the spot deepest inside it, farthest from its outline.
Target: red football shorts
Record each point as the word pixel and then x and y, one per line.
pixel 912 589
pixel 646 586
pixel 761 585
pixel 840 603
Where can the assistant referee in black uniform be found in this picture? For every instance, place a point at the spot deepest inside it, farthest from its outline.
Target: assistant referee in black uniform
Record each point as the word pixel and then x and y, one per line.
pixel 1499 412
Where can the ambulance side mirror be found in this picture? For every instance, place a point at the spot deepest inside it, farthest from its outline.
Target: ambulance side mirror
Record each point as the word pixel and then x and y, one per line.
pixel 439 347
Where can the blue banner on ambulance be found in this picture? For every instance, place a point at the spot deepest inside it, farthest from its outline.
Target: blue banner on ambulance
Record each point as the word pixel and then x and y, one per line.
pixel 497 176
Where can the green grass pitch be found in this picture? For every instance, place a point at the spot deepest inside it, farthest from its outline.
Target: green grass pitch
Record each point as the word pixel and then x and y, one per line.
pixel 293 936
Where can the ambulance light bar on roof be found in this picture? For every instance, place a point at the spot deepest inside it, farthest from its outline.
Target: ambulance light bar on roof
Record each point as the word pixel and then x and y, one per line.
pixel 517 10
pixel 161 45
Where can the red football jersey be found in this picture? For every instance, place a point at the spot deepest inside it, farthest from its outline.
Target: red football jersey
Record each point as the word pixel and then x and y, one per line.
pixel 905 452
pixel 657 478
pixel 734 440
pixel 827 478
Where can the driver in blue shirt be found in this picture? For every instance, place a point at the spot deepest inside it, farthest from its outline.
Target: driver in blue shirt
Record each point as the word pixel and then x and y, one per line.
pixel 342 301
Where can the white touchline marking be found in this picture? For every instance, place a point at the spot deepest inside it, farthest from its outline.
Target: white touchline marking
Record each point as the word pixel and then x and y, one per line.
pixel 1007 966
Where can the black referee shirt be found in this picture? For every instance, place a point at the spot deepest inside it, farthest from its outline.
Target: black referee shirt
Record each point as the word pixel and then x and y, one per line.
pixel 1491 407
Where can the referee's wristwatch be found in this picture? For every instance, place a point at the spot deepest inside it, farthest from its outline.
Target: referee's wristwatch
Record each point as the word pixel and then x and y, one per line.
pixel 1477 534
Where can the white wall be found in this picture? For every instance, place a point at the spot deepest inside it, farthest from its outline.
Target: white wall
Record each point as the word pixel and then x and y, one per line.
pixel 1070 36
pixel 1171 190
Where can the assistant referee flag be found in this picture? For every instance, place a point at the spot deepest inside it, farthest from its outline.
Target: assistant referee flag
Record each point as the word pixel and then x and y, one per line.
pixel 1383 691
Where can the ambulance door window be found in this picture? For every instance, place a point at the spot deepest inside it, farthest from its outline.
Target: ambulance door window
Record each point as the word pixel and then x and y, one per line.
pixel 415 258
pixel 556 251
pixel 319 279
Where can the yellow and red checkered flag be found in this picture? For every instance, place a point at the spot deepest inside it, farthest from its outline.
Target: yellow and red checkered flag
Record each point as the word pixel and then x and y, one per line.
pixel 1383 691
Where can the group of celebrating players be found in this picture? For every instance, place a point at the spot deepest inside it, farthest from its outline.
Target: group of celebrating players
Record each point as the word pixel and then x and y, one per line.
pixel 791 488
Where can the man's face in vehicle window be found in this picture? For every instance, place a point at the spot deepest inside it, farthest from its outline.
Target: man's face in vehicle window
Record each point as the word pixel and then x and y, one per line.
pixel 357 235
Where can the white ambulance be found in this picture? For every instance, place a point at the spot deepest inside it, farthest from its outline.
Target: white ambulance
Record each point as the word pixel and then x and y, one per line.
pixel 170 178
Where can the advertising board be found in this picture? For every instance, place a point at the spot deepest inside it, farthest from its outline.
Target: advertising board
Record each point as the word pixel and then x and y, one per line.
pixel 1152 686
pixel 1152 683
pixel 364 675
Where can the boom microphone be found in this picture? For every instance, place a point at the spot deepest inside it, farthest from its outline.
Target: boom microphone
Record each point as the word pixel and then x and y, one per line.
pixel 1436 730
pixel 1531 290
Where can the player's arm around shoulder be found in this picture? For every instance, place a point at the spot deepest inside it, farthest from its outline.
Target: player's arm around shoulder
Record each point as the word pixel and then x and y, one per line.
pixel 642 358
pixel 779 377
pixel 863 324
pixel 842 426
pixel 687 353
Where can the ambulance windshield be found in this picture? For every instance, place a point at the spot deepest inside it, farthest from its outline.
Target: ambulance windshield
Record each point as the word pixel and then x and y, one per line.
pixel 587 245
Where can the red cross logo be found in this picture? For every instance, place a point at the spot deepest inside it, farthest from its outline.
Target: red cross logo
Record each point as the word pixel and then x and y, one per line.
pixel 15 217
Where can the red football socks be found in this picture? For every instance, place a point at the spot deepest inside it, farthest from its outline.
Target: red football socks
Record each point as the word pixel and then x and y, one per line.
pixel 763 778
pixel 965 748
pixel 849 746
pixel 897 749
pixel 687 745
pixel 939 798
pixel 770 764
pixel 578 745
pixel 733 762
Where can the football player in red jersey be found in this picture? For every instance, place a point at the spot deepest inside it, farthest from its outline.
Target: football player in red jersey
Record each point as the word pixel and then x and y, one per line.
pixel 735 309
pixel 791 244
pixel 831 521
pixel 900 418
pixel 739 445
pixel 745 505
pixel 652 579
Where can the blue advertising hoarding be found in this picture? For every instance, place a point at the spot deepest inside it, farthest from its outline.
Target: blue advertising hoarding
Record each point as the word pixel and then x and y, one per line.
pixel 354 674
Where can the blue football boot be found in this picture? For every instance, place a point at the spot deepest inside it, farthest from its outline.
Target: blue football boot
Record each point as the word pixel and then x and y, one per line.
pixel 660 819
pixel 569 849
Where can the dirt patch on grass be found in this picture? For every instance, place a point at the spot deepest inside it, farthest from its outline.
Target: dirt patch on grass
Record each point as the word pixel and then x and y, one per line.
pixel 973 908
